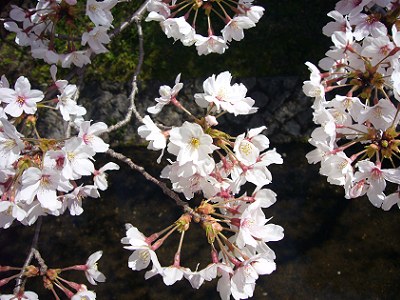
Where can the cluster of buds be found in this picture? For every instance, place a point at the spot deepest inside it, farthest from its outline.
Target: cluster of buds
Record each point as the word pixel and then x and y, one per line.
pixel 42 29
pixel 182 21
pixel 356 101
pixel 214 165
pixel 51 279
pixel 40 175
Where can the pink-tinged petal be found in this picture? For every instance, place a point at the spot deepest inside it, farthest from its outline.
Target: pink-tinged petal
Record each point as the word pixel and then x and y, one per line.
pixel 31 175
pixel 264 266
pixel 98 128
pixel 109 166
pixel 139 260
pixel 101 182
pixel 98 144
pixel 83 166
pixel 172 275
pixel 7 95
pixel 28 193
pixel 94 257
pixel 34 96
pixel 22 86
pixel 13 109
pixel 48 199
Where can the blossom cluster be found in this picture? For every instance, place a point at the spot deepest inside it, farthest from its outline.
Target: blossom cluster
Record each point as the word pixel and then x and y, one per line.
pixel 356 101
pixel 42 29
pixel 52 279
pixel 40 175
pixel 180 20
pixel 214 166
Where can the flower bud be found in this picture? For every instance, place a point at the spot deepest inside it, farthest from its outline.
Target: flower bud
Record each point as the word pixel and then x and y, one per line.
pixel 31 271
pixel 205 208
pixel 183 222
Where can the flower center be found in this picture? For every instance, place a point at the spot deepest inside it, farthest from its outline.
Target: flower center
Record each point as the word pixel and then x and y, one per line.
pixel 195 142
pixel 20 101
pixel 245 148
pixel 70 155
pixel 45 180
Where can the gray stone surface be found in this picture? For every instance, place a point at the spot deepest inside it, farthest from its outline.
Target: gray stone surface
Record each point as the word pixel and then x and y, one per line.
pixel 283 108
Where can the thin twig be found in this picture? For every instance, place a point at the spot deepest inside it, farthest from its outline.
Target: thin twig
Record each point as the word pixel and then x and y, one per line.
pixel 149 177
pixel 135 16
pixel 20 281
pixel 132 96
pixel 43 266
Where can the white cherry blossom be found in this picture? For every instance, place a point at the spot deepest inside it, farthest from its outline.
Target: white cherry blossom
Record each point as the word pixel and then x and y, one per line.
pixel 20 99
pixel 190 144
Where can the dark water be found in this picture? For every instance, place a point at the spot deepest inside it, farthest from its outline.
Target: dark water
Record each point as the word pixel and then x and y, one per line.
pixel 333 248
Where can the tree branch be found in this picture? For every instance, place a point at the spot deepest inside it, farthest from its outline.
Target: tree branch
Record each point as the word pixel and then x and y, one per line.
pixel 20 281
pixel 132 96
pixel 167 191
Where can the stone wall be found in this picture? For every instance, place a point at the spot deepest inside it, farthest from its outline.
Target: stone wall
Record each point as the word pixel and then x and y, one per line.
pixel 283 108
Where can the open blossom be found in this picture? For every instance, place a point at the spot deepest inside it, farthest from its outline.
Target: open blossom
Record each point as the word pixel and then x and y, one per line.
pixel 99 12
pixel 190 144
pixel 43 183
pixel 253 228
pixel 247 149
pixel 234 29
pixel 73 200
pixel 243 280
pixel 93 275
pixel 367 25
pixel 231 98
pixel 21 98
pixel 149 131
pixel 257 173
pixel 78 162
pixel 11 144
pixel 90 135
pixel 191 178
pixel 78 58
pixel 176 28
pixel 167 95
pixel 210 44
pixel 9 211
pixel 142 254
pixel 375 178
pixel 67 102
pixel 100 175
pixel 96 38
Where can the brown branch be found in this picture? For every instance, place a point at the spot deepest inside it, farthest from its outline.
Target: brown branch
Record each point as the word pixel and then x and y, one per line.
pixel 137 15
pixel 20 281
pixel 167 191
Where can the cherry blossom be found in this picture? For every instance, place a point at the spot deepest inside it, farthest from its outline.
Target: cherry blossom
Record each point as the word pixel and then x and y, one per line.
pixel 93 275
pixel 21 98
pixel 100 176
pixel 190 144
pixel 167 94
pixel 89 135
